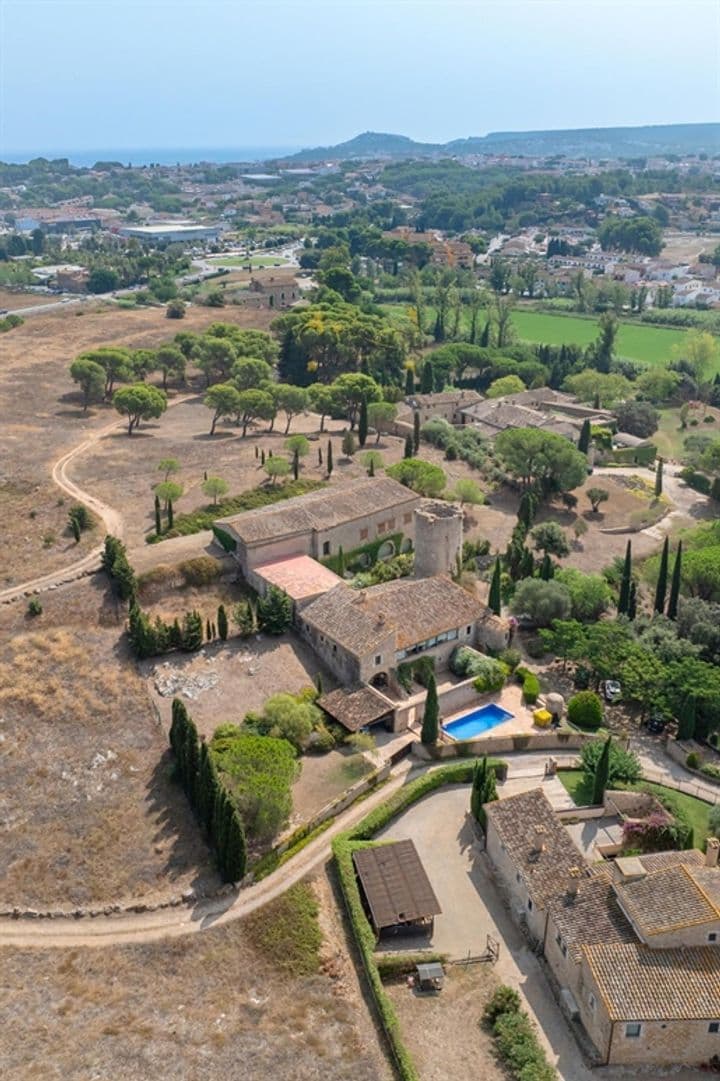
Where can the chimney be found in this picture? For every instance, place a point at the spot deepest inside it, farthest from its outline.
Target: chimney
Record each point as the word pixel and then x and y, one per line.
pixel 573 883
pixel 712 852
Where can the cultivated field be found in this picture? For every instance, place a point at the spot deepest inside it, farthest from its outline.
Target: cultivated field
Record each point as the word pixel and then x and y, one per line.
pixel 234 1003
pixel 89 809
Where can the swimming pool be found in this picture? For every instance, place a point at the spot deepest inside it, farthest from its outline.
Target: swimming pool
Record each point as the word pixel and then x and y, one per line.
pixel 474 724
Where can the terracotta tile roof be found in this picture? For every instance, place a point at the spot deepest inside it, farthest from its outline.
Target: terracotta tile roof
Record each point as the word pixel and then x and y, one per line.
pixel 413 609
pixel 656 861
pixel 395 884
pixel 638 983
pixel 539 846
pixel 355 706
pixel 666 900
pixel 319 510
pixel 592 917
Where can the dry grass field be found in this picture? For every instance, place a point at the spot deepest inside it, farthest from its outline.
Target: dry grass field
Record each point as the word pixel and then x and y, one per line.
pixel 42 418
pixel 88 808
pixel 232 1003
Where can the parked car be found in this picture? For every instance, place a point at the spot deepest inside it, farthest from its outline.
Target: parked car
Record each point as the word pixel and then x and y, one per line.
pixel 656 724
pixel 611 690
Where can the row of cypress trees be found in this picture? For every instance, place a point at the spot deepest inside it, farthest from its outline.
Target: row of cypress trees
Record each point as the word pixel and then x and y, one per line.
pixel 484 789
pixel 207 795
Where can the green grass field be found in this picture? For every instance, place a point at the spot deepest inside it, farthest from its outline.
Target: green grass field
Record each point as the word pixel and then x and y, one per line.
pixel 653 345
pixel 241 260
pixel 578 785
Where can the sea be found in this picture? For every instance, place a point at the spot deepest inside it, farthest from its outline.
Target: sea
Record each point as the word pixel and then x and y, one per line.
pixel 154 155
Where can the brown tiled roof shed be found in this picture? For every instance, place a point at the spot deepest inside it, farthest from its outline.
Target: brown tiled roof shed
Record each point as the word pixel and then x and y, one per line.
pixel 396 886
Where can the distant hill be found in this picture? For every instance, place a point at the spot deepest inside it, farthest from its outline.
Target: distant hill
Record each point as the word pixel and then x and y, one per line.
pixel 580 142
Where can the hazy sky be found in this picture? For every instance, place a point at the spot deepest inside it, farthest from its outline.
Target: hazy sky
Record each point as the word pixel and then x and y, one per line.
pixel 85 74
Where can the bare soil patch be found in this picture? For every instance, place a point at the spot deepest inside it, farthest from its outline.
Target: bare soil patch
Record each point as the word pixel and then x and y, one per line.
pixel 443 1031
pixel 89 810
pixel 184 1007
pixel 12 301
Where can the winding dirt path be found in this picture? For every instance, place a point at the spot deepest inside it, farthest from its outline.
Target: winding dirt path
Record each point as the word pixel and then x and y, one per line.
pixel 111 518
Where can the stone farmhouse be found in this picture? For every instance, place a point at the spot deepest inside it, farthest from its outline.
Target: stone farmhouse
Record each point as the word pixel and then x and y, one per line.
pixel 363 635
pixel 633 943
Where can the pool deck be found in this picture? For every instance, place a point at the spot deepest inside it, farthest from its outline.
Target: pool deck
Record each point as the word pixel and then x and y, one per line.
pixel 510 699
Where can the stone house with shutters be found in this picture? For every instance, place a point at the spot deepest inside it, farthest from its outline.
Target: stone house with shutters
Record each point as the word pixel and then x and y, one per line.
pixel 633 943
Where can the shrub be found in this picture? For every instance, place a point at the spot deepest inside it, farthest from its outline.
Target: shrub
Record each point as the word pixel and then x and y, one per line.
pixel 624 765
pixel 585 710
pixel 34 607
pixel 711 770
pixel 714 821
pixel 200 571
pixel 489 674
pixel 693 760
pixel 258 772
pixel 503 1000
pixel 275 611
pixel 81 515
pixel 541 601
pixel 530 685
pixel 511 657
pixel 286 716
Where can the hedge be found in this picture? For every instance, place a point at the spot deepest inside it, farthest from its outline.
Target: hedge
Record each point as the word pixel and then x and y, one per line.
pixel 530 685
pixel 343 847
pixel 392 965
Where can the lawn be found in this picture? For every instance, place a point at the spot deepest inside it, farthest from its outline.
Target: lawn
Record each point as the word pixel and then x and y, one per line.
pixel 579 786
pixel 653 345
pixel 242 260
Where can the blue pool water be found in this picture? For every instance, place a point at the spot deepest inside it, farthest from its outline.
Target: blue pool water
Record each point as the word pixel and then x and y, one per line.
pixel 474 724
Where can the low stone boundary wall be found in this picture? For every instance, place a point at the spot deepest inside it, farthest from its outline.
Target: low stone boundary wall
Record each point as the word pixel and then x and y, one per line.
pixel 679 752
pixel 499 745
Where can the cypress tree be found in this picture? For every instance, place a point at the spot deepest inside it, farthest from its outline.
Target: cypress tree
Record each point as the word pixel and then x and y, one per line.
pixel 409 382
pixel 222 622
pixel 715 489
pixel 208 631
pixel 262 457
pixel 632 602
pixel 408 452
pixel 75 529
pixel 363 423
pixel 625 581
pixel 426 378
pixel 207 782
pixel 584 440
pixel 659 478
pixel 527 564
pixel 177 725
pixel 494 598
pixel 320 456
pixel 485 336
pixel 431 714
pixel 341 562
pixel 329 458
pixel 219 824
pixel 416 432
pixel 371 468
pixel 527 508
pixel 687 719
pixel 547 570
pixel 661 587
pixel 191 760
pixel 596 401
pixel 235 857
pixel 602 771
pixel 319 684
pixel 175 635
pixel 296 464
pixel 170 514
pixel 672 607
pixel 158 519
pixel 478 787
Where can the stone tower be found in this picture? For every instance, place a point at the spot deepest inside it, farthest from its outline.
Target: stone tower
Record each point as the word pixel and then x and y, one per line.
pixel 438 538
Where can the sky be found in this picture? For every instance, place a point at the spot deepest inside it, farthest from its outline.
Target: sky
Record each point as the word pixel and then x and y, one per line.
pixel 85 74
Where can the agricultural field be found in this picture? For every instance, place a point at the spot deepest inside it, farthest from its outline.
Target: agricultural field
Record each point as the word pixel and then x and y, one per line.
pixel 255 261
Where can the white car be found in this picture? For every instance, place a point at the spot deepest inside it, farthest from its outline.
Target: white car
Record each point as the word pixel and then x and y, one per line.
pixel 611 690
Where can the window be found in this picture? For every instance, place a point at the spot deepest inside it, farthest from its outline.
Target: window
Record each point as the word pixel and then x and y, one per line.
pixel 591 1002
pixel 378 658
pixel 363 534
pixel 712 937
pixel 633 1030
pixel 381 527
pixel 390 524
pixel 326 548
pixel 407 518
pixel 452 635
pixel 714 1027
pixel 530 904
pixel 468 630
